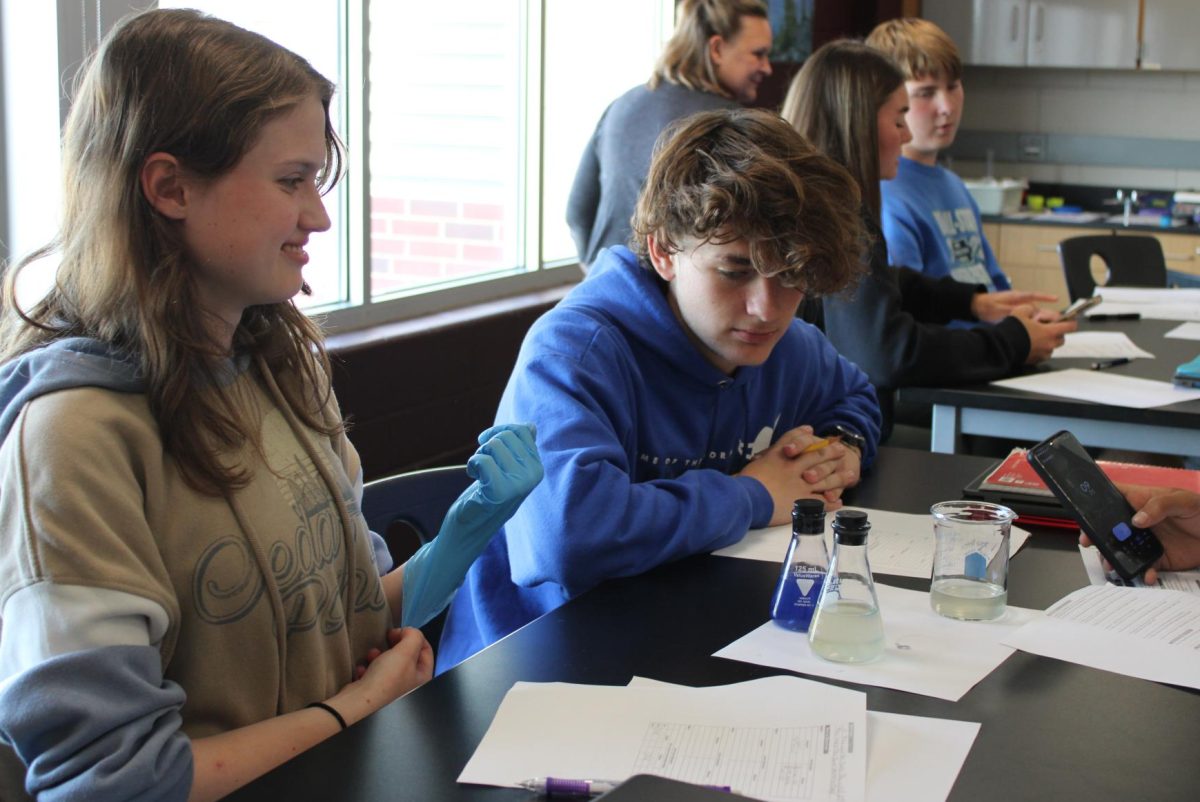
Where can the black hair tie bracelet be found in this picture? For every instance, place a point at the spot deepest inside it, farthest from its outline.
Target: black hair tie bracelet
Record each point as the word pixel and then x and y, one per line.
pixel 330 710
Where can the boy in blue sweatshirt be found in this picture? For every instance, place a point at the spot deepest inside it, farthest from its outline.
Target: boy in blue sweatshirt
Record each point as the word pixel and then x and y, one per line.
pixel 930 221
pixel 674 392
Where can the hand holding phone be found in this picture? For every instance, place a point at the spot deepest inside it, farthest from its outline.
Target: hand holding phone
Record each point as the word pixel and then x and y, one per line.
pixel 1079 306
pixel 1100 509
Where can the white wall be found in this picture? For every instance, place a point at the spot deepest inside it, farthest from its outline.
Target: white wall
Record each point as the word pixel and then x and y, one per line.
pixel 1112 103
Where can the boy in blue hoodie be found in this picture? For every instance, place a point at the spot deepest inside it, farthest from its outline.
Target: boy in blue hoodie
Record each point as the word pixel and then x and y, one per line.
pixel 675 394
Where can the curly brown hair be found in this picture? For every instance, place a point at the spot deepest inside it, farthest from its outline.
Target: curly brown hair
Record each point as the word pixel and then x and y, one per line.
pixel 720 176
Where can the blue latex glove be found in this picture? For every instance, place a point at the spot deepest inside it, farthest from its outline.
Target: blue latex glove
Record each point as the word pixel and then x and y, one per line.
pixel 505 469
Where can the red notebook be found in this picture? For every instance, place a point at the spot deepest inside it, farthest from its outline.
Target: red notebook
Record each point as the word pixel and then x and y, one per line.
pixel 1016 475
pixel 1013 483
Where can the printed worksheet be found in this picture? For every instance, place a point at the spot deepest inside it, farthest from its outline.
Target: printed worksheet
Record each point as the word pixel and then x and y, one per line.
pixel 900 544
pixel 1186 581
pixel 790 741
pixel 1099 345
pixel 1140 632
pixel 908 757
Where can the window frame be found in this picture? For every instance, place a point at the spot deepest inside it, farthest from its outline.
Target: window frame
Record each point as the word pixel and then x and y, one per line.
pixel 81 25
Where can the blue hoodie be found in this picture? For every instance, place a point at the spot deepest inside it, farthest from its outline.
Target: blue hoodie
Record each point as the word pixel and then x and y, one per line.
pixel 638 434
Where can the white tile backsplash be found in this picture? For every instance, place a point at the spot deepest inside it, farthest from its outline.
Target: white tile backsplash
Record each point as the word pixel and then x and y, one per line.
pixel 1001 109
pixel 1125 103
pixel 1188 179
pixel 1125 177
pixel 1133 81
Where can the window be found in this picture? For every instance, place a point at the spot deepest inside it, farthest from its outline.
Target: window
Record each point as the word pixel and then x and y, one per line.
pixel 464 124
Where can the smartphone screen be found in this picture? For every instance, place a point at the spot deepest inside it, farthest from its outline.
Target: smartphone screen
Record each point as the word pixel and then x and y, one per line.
pixel 1102 512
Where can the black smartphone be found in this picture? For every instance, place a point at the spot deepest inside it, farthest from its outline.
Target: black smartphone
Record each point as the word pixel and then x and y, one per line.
pixel 1091 497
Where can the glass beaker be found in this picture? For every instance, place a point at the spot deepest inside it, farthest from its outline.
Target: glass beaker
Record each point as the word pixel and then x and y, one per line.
pixel 970 559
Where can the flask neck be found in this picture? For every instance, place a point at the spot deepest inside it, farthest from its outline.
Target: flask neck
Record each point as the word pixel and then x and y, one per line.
pixel 851 558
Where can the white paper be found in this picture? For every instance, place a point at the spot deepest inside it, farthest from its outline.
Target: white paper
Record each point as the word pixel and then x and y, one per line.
pixel 900 543
pixel 925 653
pixel 1139 632
pixel 1151 303
pixel 783 739
pixel 1098 385
pixel 914 757
pixel 908 757
pixel 1184 581
pixel 1099 345
pixel 1185 331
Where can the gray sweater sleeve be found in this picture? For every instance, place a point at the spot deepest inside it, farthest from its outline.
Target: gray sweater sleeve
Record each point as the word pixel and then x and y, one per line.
pixel 584 200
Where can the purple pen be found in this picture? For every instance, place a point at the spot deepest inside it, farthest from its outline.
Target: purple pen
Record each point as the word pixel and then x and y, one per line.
pixel 560 787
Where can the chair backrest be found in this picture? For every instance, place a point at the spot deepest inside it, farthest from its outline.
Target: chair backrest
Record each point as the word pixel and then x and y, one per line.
pixel 1132 261
pixel 407 509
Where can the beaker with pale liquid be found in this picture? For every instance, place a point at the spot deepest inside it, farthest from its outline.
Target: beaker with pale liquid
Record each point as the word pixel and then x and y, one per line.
pixel 970 559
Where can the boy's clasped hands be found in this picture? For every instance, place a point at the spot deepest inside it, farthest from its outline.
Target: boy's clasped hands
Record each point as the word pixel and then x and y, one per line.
pixel 789 470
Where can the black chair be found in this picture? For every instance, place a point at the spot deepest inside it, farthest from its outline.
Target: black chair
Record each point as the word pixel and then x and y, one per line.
pixel 1132 261
pixel 407 511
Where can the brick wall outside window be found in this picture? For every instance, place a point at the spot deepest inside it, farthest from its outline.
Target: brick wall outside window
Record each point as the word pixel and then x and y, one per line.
pixel 417 241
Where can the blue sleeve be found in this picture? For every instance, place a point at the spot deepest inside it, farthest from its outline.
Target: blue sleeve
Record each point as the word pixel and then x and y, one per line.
pixel 999 278
pixel 833 390
pixel 900 232
pixel 99 724
pixel 589 520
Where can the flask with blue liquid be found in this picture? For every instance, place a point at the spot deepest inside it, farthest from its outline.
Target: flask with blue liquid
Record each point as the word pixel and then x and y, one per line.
pixel 804 567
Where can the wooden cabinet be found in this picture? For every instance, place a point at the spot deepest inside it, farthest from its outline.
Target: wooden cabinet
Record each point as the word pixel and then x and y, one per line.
pixel 1029 253
pixel 1182 251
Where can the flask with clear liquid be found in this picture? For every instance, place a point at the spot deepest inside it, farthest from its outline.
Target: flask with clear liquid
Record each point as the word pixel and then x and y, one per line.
pixel 847 627
pixel 804 567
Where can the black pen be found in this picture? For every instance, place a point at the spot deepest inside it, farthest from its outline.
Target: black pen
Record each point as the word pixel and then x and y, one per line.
pixel 1110 363
pixel 1122 316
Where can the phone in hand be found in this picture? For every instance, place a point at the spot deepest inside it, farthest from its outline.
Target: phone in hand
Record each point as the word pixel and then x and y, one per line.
pixel 1100 509
pixel 1079 306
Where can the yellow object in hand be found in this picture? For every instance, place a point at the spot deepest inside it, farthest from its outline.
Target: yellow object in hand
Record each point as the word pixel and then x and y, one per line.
pixel 817 445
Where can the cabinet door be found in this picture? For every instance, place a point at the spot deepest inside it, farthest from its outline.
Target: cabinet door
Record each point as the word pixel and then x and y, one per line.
pixel 1029 255
pixel 1169 35
pixel 1083 33
pixel 1180 251
pixel 988 32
